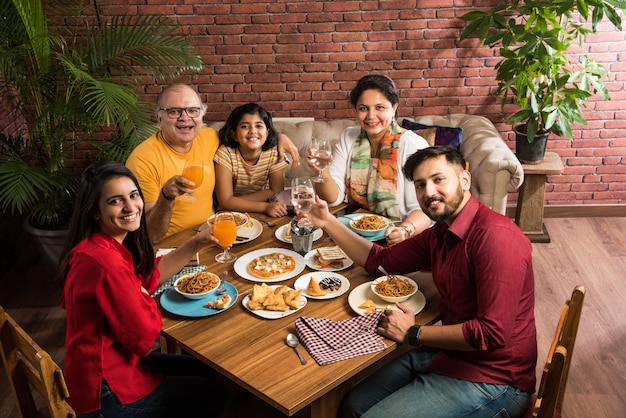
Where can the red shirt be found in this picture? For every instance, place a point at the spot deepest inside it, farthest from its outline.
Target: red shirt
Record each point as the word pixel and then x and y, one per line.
pixel 111 324
pixel 482 268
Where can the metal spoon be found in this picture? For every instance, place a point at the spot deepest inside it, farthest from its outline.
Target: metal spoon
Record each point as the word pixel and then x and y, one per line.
pixel 268 222
pixel 292 341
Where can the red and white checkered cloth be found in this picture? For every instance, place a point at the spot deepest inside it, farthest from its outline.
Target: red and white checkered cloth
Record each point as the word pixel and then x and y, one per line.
pixel 330 341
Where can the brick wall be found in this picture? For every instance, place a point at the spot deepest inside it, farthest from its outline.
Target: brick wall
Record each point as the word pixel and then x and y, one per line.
pixel 301 58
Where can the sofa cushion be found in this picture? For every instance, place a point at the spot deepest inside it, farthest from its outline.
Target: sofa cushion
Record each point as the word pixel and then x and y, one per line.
pixel 445 135
pixel 428 134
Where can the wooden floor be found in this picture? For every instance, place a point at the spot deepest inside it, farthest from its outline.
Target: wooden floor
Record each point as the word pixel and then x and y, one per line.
pixel 587 251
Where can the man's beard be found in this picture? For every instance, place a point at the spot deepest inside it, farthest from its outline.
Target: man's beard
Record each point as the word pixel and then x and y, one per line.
pixel 449 208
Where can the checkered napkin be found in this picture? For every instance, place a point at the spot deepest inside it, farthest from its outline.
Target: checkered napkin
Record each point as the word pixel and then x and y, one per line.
pixel 330 341
pixel 171 281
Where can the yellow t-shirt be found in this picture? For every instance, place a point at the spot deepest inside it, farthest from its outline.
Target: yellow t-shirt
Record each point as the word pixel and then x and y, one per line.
pixel 153 162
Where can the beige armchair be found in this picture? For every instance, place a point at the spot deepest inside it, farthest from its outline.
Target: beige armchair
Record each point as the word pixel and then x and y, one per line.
pixel 495 169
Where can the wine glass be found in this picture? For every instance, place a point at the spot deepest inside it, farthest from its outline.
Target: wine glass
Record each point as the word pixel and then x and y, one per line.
pixel 321 154
pixel 303 198
pixel 225 230
pixel 193 171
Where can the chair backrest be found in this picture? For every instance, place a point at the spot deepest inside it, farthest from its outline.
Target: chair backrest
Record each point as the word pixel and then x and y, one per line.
pixel 551 381
pixel 554 379
pixel 29 366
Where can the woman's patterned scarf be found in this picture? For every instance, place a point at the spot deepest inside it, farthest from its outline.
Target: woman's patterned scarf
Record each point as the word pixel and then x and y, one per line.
pixel 373 182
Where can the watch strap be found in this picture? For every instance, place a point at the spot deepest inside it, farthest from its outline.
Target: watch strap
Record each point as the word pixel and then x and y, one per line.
pixel 414 334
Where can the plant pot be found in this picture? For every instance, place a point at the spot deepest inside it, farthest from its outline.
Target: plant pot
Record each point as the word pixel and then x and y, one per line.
pixel 529 152
pixel 50 243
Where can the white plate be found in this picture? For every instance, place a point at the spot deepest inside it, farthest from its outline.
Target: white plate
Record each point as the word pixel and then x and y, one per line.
pixel 241 265
pixel 280 234
pixel 363 292
pixel 273 314
pixel 248 233
pixel 310 262
pixel 303 283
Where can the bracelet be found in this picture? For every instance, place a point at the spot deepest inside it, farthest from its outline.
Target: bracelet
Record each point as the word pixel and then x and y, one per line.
pixel 409 232
pixel 168 198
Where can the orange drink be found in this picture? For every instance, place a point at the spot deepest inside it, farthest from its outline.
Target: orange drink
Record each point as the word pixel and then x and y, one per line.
pixel 194 173
pixel 225 231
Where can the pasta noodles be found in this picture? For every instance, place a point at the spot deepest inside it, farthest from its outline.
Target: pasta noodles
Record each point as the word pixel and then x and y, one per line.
pixel 199 282
pixel 370 222
pixel 240 219
pixel 394 286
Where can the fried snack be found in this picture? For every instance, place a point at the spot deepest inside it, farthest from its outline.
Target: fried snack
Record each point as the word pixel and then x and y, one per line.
pixel 292 298
pixel 314 289
pixel 368 305
pixel 394 286
pixel 259 293
pixel 280 290
pixel 280 299
pixel 370 223
pixel 255 306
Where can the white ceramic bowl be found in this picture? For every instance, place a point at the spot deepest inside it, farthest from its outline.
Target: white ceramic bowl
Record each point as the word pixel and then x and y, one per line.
pixel 241 219
pixel 196 295
pixel 369 232
pixel 393 299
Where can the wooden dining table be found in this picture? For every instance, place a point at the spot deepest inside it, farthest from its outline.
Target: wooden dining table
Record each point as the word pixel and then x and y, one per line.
pixel 251 352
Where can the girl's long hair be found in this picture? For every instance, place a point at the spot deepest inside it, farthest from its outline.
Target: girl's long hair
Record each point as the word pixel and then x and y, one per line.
pixel 83 224
pixel 225 134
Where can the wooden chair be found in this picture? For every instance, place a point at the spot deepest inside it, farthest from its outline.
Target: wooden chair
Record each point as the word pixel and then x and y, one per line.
pixel 549 399
pixel 29 366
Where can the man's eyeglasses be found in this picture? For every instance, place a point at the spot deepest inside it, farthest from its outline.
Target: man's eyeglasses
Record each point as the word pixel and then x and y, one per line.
pixel 176 112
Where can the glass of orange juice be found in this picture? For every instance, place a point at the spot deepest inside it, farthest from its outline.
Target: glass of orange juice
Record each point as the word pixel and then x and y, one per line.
pixel 225 230
pixel 193 171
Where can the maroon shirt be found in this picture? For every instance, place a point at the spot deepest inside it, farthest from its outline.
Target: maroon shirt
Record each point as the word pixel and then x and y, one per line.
pixel 482 268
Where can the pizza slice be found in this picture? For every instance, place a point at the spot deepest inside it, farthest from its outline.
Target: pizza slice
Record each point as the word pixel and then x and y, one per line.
pixel 220 303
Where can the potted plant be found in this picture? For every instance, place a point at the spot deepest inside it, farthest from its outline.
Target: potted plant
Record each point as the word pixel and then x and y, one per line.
pixel 548 80
pixel 70 83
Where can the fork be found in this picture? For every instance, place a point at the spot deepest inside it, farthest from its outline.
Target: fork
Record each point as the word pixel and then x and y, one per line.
pixel 382 270
pixel 222 289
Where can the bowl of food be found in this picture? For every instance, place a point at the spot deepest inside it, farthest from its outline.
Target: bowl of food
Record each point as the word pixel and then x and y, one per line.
pixel 369 225
pixel 241 219
pixel 394 288
pixel 197 285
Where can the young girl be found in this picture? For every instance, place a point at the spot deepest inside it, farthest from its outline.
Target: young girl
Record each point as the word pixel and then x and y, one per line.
pixel 108 271
pixel 247 170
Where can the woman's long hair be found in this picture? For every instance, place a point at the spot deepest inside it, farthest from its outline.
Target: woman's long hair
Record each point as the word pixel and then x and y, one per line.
pixel 226 136
pixel 83 223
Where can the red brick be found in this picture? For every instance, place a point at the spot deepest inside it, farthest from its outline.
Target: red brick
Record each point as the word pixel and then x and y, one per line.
pixel 274 45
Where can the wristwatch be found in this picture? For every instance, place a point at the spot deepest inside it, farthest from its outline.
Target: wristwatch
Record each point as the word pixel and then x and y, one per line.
pixel 414 334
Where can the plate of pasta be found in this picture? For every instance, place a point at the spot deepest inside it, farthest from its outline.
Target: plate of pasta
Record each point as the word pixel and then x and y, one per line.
pixel 363 300
pixel 370 236
pixel 177 304
pixel 393 288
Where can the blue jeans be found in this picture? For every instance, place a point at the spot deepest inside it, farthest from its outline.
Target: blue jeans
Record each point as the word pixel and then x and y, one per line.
pixel 189 390
pixel 399 390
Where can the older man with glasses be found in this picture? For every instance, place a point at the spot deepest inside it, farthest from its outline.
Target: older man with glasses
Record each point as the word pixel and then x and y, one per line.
pixel 158 163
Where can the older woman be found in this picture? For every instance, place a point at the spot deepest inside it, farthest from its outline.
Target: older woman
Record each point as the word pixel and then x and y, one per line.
pixel 108 271
pixel 368 159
